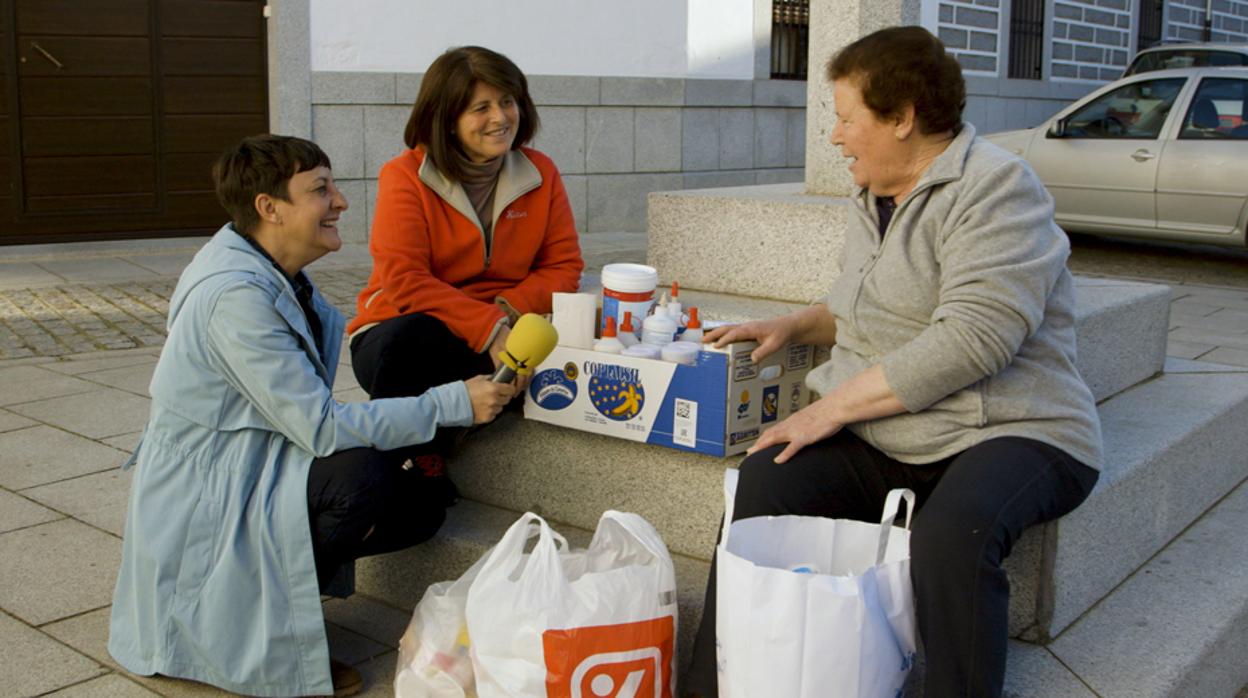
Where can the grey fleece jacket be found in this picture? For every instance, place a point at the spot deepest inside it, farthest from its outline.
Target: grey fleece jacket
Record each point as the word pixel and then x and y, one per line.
pixel 968 305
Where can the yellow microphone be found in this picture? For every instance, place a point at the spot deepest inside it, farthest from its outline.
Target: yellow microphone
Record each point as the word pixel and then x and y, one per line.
pixel 528 345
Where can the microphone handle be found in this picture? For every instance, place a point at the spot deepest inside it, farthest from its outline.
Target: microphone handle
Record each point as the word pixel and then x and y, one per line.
pixel 504 374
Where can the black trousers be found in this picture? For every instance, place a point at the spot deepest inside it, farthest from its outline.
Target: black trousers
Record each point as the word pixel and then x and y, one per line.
pixel 362 502
pixel 409 354
pixel 971 509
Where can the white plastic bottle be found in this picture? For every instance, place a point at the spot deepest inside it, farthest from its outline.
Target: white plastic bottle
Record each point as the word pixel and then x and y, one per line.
pixel 610 343
pixel 658 329
pixel 674 308
pixel 693 331
pixel 627 333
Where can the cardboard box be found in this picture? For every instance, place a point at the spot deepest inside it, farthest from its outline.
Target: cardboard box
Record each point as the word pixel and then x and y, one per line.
pixel 718 407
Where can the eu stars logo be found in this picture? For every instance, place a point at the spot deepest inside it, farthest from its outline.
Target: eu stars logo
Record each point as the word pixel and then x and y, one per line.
pixel 620 400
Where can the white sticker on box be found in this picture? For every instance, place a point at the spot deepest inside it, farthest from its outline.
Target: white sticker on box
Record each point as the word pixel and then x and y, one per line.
pixel 685 423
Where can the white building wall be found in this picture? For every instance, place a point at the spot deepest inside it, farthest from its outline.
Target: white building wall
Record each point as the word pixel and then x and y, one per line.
pixel 639 38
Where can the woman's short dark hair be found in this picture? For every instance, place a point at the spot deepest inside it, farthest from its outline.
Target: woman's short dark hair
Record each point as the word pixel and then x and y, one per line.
pixel 905 65
pixel 444 95
pixel 261 164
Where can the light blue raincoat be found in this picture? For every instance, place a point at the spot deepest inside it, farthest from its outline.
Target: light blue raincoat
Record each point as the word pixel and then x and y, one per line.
pixel 217 580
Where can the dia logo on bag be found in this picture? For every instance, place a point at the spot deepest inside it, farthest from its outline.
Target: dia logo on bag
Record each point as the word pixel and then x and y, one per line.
pixel 628 660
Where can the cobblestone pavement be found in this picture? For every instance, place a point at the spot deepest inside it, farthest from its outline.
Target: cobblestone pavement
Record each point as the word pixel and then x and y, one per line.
pixel 74 319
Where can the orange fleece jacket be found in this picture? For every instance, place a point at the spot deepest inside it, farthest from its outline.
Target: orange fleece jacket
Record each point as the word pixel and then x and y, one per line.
pixel 430 257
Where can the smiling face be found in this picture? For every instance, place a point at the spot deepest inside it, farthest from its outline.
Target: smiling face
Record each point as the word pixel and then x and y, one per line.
pixel 487 128
pixel 309 220
pixel 878 158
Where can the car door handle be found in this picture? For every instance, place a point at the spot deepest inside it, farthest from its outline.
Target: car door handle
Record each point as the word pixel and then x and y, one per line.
pixel 1142 155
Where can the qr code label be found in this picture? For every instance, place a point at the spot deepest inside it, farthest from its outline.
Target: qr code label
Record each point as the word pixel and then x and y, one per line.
pixel 685 423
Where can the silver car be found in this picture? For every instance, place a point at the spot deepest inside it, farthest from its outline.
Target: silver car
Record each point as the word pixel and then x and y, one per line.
pixel 1161 154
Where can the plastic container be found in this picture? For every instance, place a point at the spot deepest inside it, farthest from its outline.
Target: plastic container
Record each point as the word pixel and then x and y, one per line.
pixel 627 287
pixel 682 353
pixel 644 351
pixel 626 332
pixel 674 308
pixel 658 329
pixel 693 331
pixel 610 343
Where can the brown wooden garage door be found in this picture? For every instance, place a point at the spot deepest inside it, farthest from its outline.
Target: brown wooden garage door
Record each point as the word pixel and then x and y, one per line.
pixel 114 110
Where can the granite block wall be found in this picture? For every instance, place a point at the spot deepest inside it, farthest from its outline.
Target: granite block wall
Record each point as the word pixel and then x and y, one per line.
pixel 1185 20
pixel 614 139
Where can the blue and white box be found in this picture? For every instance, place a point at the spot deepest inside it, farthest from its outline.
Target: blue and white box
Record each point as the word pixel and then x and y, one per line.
pixel 718 407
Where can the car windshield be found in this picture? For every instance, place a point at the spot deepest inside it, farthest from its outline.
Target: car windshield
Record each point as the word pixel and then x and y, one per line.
pixel 1183 58
pixel 1137 110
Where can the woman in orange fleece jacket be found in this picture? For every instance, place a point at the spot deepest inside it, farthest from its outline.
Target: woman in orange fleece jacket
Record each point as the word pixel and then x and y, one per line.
pixel 471 230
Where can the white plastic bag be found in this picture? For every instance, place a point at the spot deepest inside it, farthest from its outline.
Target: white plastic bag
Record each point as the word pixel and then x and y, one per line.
pixel 810 607
pixel 434 660
pixel 596 623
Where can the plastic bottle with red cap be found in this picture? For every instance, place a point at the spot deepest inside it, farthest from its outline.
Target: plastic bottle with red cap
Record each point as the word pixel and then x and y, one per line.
pixel 609 343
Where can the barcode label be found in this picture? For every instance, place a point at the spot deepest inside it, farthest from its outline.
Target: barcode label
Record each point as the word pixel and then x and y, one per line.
pixel 685 423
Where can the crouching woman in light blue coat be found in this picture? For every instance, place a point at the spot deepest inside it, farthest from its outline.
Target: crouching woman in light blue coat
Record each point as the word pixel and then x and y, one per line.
pixel 254 489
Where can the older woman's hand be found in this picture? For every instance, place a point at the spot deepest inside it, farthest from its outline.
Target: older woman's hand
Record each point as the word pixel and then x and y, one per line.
pixel 770 334
pixel 804 427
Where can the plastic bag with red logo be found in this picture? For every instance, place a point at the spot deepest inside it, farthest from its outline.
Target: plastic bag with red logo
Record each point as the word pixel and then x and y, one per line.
pixel 593 623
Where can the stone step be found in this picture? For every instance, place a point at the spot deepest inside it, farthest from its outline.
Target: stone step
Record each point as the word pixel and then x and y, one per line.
pixel 1174 442
pixel 471 529
pixel 1178 626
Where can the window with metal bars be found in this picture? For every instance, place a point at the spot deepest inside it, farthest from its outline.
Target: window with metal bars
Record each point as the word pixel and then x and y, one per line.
pixel 790 35
pixel 1027 39
pixel 1149 23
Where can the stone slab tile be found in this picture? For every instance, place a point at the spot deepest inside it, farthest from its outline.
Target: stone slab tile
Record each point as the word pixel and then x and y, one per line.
pixel 609 139
pixel 699 145
pixel 1033 672
pixel 95 270
pixel 368 617
pixel 383 135
pixel 797 138
pixel 10 421
pixel 100 362
pixel 1177 365
pixel 30 383
pixel 353 223
pixel 570 90
pixel 1222 320
pixel 88 633
pixel 1184 616
pixel 340 87
pixel 351 647
pixel 56 570
pixel 407 86
pixel 736 139
pixel 339 130
pixel 166 264
pixel 35 663
pixel 14 275
pixel 617 203
pixel 751 230
pixel 771 134
pixel 108 686
pixel 787 175
pixel 577 187
pixel 99 499
pixel 562 137
pixel 780 93
pixel 1187 350
pixel 1173 447
pixel 132 379
pixel 18 512
pixel 719 93
pixel 657 140
pixel 97 415
pixel 716 179
pixel 1220 339
pixel 1227 355
pixel 125 442
pixel 652 92
pixel 39 455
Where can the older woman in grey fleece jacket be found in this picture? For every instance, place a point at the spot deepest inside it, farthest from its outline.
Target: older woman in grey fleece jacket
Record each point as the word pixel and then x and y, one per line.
pixel 953 359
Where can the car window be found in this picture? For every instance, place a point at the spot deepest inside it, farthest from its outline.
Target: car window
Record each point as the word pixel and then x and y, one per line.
pixel 1137 110
pixel 1180 58
pixel 1219 110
